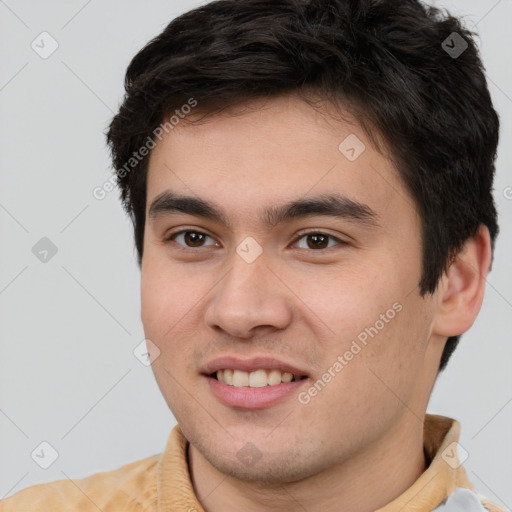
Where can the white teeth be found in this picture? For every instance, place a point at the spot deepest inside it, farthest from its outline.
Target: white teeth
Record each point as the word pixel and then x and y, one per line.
pixel 228 377
pixel 274 377
pixel 256 379
pixel 287 377
pixel 240 379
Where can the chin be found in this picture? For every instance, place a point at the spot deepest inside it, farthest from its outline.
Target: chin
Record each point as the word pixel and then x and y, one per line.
pixel 277 471
pixel 251 463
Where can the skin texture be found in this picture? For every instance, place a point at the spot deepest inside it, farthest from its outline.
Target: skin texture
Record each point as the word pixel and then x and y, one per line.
pixel 300 304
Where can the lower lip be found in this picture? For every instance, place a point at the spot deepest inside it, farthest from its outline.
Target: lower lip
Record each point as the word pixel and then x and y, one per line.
pixel 253 398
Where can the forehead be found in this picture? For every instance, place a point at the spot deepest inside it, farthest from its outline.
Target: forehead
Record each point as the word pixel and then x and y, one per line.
pixel 269 151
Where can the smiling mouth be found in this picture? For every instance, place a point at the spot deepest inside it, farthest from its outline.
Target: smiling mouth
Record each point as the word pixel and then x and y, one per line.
pixel 255 379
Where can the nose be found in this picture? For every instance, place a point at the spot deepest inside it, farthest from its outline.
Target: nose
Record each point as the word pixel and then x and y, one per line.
pixel 248 299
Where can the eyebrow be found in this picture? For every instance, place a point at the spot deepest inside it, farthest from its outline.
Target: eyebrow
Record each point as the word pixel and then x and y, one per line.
pixel 332 205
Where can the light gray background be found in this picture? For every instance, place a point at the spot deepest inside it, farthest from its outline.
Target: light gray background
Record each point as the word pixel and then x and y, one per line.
pixel 68 375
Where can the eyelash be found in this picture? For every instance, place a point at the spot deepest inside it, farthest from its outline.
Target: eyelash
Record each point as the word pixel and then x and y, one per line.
pixel 172 236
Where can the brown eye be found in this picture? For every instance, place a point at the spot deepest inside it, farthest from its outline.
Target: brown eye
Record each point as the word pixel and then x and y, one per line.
pixel 317 241
pixel 190 238
pixel 193 239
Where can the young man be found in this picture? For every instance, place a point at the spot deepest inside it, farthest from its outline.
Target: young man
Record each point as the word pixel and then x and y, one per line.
pixel 310 186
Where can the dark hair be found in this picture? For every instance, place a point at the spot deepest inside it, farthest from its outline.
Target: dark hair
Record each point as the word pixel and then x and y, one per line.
pixel 394 63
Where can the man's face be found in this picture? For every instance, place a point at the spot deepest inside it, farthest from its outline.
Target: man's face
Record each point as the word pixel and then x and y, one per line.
pixel 332 294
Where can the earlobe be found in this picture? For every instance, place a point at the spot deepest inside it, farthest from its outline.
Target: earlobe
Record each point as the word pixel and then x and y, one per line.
pixel 463 286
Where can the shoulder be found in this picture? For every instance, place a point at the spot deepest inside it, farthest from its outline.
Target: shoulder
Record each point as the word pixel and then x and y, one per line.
pixel 467 500
pixel 131 487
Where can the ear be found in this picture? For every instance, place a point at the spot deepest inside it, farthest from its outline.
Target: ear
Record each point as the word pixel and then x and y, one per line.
pixel 462 286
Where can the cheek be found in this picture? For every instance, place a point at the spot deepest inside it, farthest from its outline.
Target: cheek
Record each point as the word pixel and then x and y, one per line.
pixel 172 317
pixel 394 358
pixel 168 303
pixel 376 318
pixel 353 299
pixel 167 296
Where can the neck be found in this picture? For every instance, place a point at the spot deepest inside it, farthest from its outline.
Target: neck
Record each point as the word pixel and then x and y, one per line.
pixel 364 483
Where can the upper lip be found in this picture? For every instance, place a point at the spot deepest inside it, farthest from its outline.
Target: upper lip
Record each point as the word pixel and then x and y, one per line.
pixel 250 365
